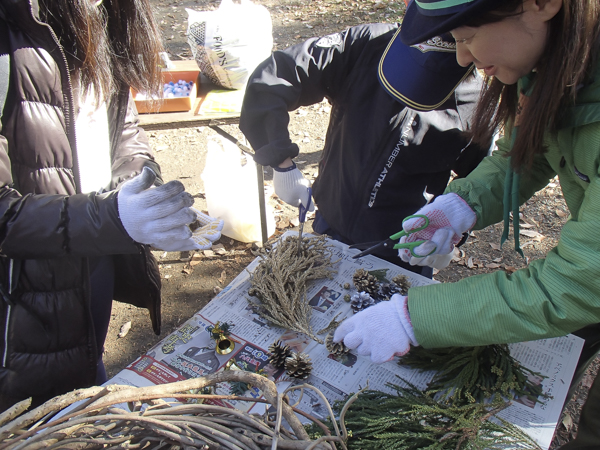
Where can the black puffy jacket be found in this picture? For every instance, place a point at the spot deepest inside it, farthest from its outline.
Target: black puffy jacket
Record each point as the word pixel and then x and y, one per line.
pixel 379 156
pixel 48 229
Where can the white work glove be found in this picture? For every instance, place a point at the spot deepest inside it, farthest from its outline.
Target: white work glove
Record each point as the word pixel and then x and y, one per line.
pixel 437 261
pixel 291 186
pixel 381 331
pixel 208 231
pixel 449 217
pixel 158 216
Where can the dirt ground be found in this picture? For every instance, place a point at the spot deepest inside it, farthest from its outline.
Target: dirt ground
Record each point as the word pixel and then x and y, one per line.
pixel 190 281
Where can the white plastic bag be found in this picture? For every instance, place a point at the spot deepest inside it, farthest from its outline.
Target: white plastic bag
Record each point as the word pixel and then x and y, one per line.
pixel 230 42
pixel 231 188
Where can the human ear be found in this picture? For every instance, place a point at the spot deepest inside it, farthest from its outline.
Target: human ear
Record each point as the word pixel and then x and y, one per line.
pixel 546 9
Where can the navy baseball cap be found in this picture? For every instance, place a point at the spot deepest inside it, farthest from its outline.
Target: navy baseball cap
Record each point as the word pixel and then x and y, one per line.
pixel 422 76
pixel 427 18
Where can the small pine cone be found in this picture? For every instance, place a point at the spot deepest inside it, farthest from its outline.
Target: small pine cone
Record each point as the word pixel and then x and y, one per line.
pixel 335 348
pixel 360 301
pixel 386 290
pixel 298 366
pixel 365 282
pixel 279 352
pixel 402 282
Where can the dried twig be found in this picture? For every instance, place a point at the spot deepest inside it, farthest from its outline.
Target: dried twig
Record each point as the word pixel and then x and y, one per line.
pixel 279 281
pixel 333 324
pixel 154 423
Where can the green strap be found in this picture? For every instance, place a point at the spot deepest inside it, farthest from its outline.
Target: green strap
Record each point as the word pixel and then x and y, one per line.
pixel 512 179
pixel 508 181
pixel 511 202
pixel 515 209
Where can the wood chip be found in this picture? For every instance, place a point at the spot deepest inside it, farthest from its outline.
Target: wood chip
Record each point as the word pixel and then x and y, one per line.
pixel 495 246
pixel 493 265
pixel 219 249
pixel 532 234
pixel 195 259
pixel 283 224
pixel 124 329
pixel 223 277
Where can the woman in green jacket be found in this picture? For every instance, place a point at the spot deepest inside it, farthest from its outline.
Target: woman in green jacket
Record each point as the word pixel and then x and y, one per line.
pixel 541 60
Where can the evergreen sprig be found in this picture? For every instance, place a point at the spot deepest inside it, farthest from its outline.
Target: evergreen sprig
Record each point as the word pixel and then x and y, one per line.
pixel 475 374
pixel 220 330
pixel 412 420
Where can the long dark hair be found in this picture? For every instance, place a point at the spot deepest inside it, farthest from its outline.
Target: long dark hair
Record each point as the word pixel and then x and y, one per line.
pixel 108 43
pixel 566 63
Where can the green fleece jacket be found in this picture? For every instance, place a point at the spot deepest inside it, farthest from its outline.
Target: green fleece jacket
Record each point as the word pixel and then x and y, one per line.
pixel 552 296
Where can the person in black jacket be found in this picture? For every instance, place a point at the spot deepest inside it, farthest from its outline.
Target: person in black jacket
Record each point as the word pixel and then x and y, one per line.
pixel 395 132
pixel 81 196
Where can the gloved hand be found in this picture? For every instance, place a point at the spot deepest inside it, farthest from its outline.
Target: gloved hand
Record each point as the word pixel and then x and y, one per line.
pixel 449 217
pixel 159 216
pixel 207 232
pixel 436 261
pixel 291 186
pixel 382 330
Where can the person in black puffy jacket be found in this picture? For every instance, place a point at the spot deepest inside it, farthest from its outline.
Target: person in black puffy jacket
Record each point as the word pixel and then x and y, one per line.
pixel 395 131
pixel 81 197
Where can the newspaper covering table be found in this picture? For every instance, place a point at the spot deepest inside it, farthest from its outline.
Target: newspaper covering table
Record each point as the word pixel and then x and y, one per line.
pixel 190 351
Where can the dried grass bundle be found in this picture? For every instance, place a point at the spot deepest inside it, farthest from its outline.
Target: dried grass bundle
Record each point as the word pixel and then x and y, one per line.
pixel 279 281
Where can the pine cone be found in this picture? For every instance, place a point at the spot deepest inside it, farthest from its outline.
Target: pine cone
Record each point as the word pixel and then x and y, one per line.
pixel 386 290
pixel 279 352
pixel 360 301
pixel 402 282
pixel 298 365
pixel 365 282
pixel 334 348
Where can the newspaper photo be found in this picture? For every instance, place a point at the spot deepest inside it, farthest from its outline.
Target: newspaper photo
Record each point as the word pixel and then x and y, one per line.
pixel 190 351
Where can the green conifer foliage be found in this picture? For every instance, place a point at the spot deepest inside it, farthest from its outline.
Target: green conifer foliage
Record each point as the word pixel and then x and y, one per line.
pixel 475 374
pixel 413 420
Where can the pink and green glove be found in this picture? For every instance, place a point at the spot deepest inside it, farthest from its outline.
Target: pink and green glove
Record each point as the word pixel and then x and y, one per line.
pixel 449 217
pixel 381 331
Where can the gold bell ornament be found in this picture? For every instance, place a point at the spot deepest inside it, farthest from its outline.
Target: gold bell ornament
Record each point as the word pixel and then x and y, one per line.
pixel 220 333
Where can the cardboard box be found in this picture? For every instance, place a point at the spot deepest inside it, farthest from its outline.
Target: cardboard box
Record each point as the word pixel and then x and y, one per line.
pixel 171 104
